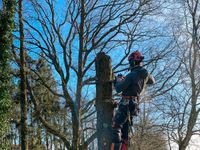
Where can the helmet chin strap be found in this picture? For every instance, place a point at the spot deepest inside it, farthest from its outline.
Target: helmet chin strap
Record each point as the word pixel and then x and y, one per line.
pixel 134 64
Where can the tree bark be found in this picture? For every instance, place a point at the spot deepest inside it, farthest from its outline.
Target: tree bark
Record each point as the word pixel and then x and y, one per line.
pixel 7 12
pixel 104 105
pixel 23 101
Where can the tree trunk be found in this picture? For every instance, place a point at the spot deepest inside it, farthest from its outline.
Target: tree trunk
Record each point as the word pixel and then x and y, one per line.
pixel 104 105
pixel 7 12
pixel 76 117
pixel 23 101
pixel 182 146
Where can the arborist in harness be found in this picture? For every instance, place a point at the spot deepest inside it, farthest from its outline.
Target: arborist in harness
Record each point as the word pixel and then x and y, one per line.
pixel 131 86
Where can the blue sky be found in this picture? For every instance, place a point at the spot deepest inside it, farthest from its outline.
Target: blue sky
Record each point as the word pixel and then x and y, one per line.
pixel 0 4
pixel 116 53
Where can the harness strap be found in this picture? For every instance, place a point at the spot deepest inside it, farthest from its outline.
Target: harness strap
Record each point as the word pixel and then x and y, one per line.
pixel 135 98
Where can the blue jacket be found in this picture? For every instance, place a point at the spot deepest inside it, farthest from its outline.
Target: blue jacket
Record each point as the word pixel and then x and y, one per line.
pixel 134 82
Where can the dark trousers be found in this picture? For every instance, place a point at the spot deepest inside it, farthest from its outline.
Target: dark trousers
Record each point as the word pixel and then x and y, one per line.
pixel 122 119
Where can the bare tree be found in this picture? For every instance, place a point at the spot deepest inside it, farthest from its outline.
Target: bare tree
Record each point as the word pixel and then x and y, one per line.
pixel 182 108
pixel 191 67
pixel 71 38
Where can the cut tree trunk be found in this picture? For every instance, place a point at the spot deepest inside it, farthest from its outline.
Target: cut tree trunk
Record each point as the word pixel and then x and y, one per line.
pixel 104 105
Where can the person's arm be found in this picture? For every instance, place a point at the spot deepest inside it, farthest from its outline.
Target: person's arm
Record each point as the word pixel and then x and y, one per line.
pixel 150 79
pixel 122 85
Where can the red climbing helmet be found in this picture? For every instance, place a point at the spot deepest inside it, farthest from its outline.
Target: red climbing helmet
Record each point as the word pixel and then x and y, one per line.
pixel 137 56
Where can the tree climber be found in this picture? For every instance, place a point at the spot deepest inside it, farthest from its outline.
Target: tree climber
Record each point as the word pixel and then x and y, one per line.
pixel 131 86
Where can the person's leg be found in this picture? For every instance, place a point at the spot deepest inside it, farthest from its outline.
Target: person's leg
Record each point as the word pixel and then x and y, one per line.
pixel 125 131
pixel 118 121
pixel 116 146
pixel 133 108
